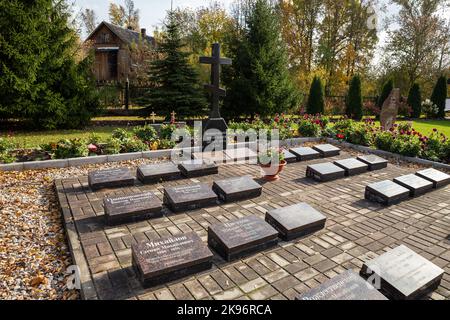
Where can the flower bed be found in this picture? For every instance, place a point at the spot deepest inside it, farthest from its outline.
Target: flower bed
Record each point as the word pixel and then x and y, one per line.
pixel 403 139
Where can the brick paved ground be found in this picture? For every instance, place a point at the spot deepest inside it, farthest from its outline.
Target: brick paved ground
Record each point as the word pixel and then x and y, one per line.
pixel 356 231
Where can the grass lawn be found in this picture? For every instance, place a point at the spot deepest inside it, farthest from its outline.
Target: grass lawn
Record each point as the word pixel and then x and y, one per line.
pixel 427 126
pixel 35 139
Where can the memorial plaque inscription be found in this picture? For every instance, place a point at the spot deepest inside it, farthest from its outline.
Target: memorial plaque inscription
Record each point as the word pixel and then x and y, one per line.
pixel 190 197
pixel 167 259
pixel 239 238
pixel 111 178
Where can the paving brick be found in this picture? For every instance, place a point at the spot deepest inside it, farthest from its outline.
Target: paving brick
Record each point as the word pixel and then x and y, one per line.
pixel 356 231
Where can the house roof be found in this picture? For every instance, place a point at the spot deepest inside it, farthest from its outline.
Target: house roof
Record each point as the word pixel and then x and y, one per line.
pixel 126 35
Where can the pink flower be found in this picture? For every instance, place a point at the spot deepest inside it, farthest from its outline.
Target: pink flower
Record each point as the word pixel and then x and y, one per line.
pixel 92 148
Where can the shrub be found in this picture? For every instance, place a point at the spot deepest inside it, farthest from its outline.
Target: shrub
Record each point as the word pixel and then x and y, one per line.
pixel 430 109
pixel 316 104
pixel 404 126
pixel 165 144
pixel 354 108
pixel 384 140
pixel 415 100
pixel 385 92
pixel 113 146
pixel 359 134
pixel 67 148
pixel 146 133
pixel 121 134
pixel 308 128
pixel 133 145
pixel 446 151
pixel 433 147
pixel 439 96
pixel 406 145
pixel 5 151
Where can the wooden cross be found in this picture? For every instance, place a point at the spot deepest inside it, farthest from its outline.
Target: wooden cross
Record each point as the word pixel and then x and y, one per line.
pixel 153 114
pixel 214 88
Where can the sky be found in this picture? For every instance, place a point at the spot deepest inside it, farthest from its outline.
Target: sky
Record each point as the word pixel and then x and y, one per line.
pixel 152 12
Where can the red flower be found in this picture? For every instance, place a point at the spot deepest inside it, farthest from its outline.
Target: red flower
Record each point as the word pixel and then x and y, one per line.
pixel 340 136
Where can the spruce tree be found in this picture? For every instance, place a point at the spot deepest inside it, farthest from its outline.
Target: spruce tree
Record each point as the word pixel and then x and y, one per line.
pixel 385 92
pixel 354 99
pixel 316 103
pixel 415 100
pixel 439 95
pixel 176 82
pixel 42 78
pixel 261 83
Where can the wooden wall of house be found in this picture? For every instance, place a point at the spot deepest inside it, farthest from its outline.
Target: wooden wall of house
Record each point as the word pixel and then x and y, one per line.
pixel 104 68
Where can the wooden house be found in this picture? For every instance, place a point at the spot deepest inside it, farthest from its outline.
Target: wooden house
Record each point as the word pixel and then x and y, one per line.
pixel 112 46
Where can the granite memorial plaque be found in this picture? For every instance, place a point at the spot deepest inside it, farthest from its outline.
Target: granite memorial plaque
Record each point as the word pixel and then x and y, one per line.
pixel 132 208
pixel 325 172
pixel 346 286
pixel 239 238
pixel 198 168
pixel 236 189
pixel 352 166
pixel 404 274
pixel 158 172
pixel 289 157
pixel 305 154
pixel 240 154
pixel 111 178
pixel 327 150
pixel 212 156
pixel 439 179
pixel 189 197
pixel 386 192
pixel 167 259
pixel 374 162
pixel 416 185
pixel 296 221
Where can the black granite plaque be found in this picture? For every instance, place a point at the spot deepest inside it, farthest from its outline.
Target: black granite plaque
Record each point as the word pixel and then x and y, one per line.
pixel 386 192
pixel 347 286
pixel 439 179
pixel 198 168
pixel 374 162
pixel 158 172
pixel 289 157
pixel 305 154
pixel 327 150
pixel 189 197
pixel 352 166
pixel 111 178
pixel 132 208
pixel 167 259
pixel 325 172
pixel 416 185
pixel 236 239
pixel 296 221
pixel 240 154
pixel 236 189
pixel 404 274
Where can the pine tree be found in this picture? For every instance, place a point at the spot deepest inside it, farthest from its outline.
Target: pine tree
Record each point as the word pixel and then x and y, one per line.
pixel 415 100
pixel 354 99
pixel 261 83
pixel 440 95
pixel 316 103
pixel 44 80
pixel 176 82
pixel 385 92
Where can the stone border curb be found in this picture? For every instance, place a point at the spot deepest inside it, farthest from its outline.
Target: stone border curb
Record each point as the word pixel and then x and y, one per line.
pixel 157 154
